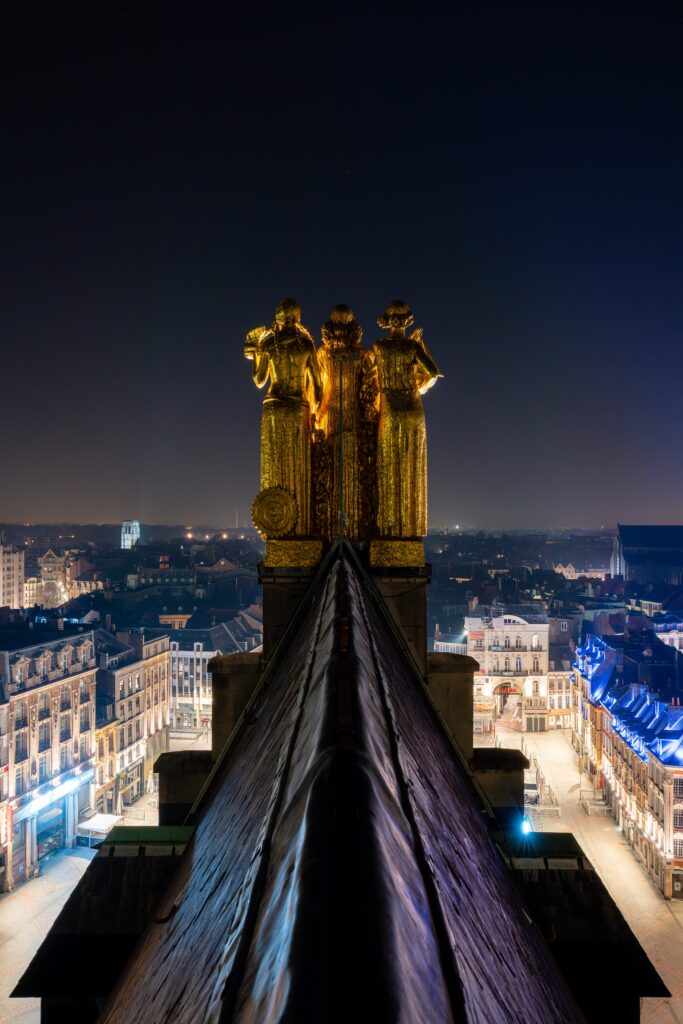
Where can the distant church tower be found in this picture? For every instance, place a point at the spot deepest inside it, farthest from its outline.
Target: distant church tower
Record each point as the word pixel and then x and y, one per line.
pixel 130 533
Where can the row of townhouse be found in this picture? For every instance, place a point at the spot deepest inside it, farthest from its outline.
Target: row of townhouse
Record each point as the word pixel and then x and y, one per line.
pixel 82 719
pixel 630 741
pixel 47 747
pixel 133 681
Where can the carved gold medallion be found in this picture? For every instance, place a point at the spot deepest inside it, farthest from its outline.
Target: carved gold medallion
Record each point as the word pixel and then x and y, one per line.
pixel 274 512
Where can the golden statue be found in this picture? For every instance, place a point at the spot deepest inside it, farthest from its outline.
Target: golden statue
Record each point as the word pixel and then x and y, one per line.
pixel 405 370
pixel 344 413
pixel 285 354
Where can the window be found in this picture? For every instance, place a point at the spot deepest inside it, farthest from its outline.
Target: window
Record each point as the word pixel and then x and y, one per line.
pixel 82 748
pixel 518 642
pixel 65 727
pixel 518 664
pixel 63 757
pixel 534 642
pixel 18 781
pixel 43 768
pixel 564 626
pixel 44 739
pixel 507 641
pixel 678 788
pixel 507 664
pixel 678 846
pixel 678 819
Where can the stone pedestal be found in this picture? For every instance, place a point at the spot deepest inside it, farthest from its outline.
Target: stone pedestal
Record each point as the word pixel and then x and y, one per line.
pixel 451 684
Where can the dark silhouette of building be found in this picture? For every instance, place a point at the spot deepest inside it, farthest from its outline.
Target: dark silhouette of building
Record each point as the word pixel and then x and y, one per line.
pixel 649 554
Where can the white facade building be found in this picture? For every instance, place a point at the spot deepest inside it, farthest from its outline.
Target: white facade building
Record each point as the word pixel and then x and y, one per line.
pixel 191 683
pixel 11 577
pixel 191 652
pixel 130 533
pixel 511 645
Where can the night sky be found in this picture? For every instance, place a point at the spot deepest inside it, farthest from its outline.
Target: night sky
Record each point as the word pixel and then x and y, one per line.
pixel 516 174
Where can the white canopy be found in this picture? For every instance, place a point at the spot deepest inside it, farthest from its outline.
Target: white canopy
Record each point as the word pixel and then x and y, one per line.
pixel 99 823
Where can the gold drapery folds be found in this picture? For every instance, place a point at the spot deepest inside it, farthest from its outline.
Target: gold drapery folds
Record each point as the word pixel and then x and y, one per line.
pixel 375 484
pixel 285 354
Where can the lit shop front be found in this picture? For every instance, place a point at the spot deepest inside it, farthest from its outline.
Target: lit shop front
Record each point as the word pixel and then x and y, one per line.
pixel 45 820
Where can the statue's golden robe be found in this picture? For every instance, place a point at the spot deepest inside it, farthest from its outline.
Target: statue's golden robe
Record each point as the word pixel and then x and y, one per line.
pixel 356 487
pixel 403 366
pixel 289 359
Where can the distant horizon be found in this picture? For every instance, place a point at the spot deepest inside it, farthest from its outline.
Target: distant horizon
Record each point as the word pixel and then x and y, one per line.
pixel 205 526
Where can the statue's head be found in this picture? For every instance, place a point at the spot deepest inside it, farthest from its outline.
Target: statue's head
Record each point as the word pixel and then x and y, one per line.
pixel 397 316
pixel 342 330
pixel 287 313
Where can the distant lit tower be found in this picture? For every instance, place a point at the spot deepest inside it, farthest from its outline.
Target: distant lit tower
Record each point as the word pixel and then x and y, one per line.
pixel 130 533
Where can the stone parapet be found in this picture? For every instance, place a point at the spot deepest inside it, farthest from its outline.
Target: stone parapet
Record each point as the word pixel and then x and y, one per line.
pixel 234 679
pixel 182 773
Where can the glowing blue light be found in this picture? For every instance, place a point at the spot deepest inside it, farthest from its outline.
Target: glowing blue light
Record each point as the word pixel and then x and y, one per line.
pixel 526 826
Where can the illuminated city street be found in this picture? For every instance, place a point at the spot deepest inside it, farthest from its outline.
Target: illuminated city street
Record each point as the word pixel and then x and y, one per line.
pixel 26 916
pixel 27 913
pixel 657 923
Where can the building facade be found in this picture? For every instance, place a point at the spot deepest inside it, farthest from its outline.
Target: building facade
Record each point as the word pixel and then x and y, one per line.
pixel 191 652
pixel 130 533
pixel 631 744
pixel 11 577
pixel 47 749
pixel 133 676
pixel 511 646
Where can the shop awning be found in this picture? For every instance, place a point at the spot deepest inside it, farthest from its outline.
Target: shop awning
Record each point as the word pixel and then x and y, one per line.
pixel 100 823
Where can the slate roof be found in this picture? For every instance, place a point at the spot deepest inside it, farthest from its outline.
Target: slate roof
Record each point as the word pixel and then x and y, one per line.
pixel 241 633
pixel 342 866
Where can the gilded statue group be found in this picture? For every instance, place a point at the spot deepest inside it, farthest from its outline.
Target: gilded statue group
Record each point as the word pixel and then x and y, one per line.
pixel 373 485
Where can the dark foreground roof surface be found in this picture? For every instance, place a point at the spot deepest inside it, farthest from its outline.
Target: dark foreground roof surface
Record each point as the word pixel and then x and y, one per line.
pixel 342 866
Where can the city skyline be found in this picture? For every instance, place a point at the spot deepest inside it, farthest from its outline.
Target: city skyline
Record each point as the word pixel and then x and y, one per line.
pixel 519 187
